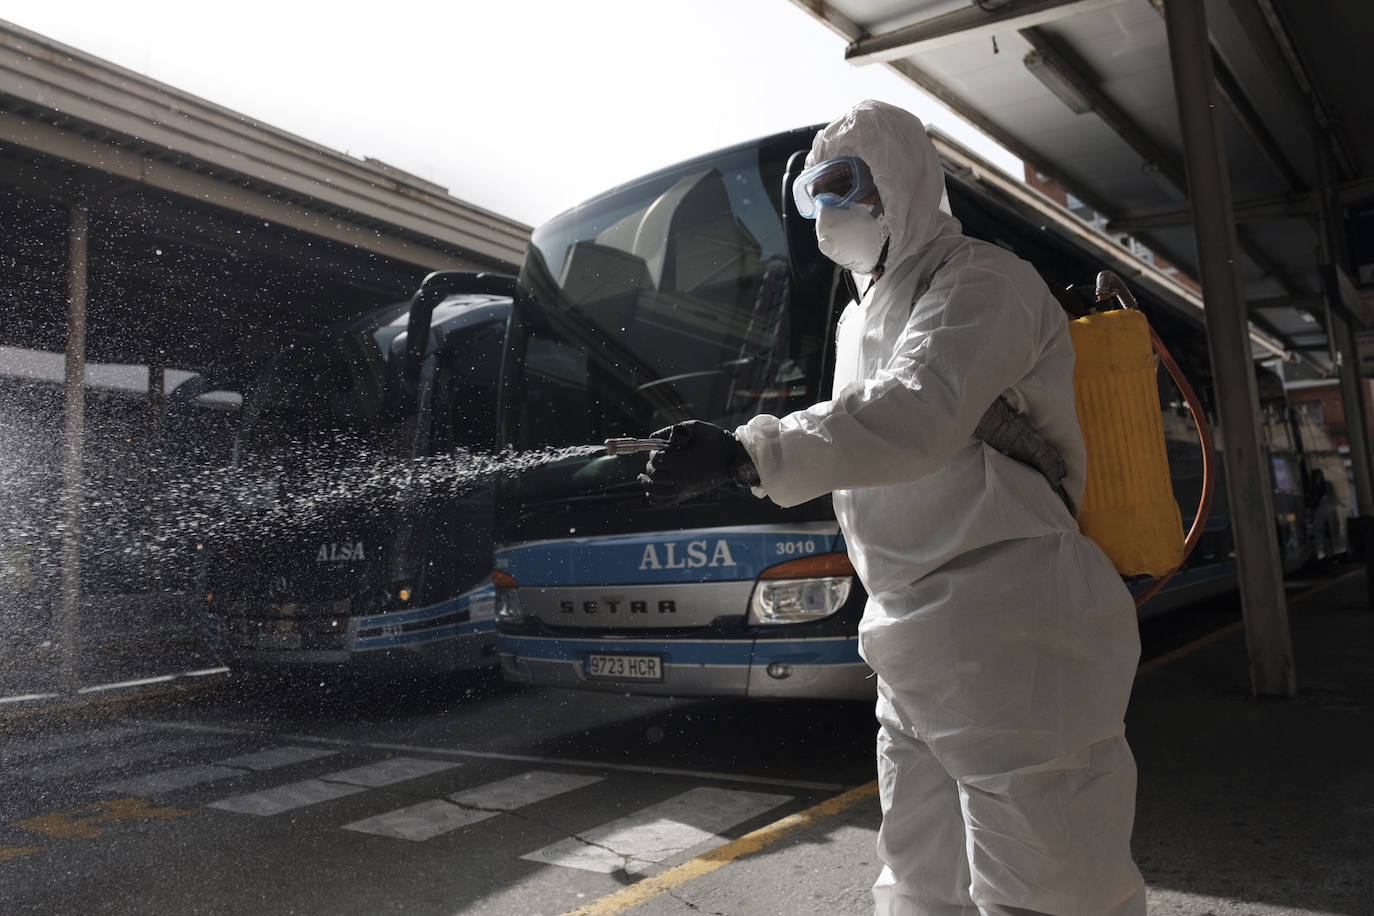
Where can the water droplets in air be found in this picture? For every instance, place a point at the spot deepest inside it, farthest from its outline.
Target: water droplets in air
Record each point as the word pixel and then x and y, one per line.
pixel 144 519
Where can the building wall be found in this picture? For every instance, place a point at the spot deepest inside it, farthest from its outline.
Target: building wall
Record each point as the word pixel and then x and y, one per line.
pixel 1322 403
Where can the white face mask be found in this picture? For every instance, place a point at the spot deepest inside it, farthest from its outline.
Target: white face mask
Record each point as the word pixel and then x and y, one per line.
pixel 851 237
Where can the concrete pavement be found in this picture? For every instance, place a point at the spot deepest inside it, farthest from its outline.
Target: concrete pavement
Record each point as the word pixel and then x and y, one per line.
pixel 1261 807
pixel 1246 806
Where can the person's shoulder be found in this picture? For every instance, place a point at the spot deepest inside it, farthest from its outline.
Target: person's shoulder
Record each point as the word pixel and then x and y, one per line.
pixel 1011 267
pixel 988 277
pixel 993 255
pixel 973 261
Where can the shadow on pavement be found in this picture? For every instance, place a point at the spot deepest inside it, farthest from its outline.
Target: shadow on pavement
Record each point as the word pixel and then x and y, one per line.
pixel 1262 801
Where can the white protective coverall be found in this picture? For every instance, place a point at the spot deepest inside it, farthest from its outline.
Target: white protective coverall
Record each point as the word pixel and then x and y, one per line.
pixel 1004 641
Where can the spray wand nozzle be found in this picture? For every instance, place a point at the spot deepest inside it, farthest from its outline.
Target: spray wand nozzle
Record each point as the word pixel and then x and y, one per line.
pixel 629 446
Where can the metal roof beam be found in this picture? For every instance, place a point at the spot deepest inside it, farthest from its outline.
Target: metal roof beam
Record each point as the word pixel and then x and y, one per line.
pixel 967 24
pixel 1250 120
pixel 1304 303
pixel 1302 205
pixel 1288 206
pixel 1244 110
pixel 1073 70
pixel 1270 40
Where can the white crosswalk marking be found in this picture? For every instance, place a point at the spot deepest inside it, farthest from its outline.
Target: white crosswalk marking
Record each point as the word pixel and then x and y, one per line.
pixel 420 822
pixel 525 789
pixel 171 780
pixel 387 772
pixel 332 785
pixel 285 798
pixel 275 757
pixel 653 834
pixel 433 818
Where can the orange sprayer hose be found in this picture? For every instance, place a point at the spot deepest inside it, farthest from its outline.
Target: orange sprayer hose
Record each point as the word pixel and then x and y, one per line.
pixel 1204 435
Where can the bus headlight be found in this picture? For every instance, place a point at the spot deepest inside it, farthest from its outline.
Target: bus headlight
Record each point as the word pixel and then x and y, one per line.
pixel 507 595
pixel 802 590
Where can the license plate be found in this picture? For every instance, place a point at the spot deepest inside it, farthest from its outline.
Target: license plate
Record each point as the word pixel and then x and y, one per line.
pixel 279 640
pixel 625 667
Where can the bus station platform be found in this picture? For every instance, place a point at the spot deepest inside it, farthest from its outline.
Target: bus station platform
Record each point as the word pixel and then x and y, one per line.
pixel 1261 806
pixel 1247 806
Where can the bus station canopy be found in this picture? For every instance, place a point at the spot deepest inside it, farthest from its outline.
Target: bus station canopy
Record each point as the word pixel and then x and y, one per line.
pixel 213 238
pixel 1082 91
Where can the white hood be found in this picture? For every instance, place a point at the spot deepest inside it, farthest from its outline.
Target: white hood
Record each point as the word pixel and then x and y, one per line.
pixel 905 168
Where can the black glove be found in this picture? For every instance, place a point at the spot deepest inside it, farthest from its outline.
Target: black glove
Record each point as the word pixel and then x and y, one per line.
pixel 699 458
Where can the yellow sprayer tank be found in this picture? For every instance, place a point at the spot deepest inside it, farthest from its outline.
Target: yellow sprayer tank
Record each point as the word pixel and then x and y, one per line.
pixel 1128 505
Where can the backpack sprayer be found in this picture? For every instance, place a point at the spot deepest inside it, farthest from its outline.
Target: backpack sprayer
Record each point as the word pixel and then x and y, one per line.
pixel 1128 502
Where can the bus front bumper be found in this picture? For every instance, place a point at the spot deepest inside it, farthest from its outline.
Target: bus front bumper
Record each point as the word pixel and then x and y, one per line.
pixel 428 639
pixel 813 668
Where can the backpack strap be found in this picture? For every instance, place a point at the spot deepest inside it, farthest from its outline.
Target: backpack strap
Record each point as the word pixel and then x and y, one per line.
pixel 1011 432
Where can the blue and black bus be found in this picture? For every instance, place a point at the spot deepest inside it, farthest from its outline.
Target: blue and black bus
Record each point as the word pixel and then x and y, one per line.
pixel 348 535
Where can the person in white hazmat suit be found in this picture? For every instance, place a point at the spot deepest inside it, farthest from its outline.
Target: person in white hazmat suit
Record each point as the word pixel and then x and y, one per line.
pixel 1003 640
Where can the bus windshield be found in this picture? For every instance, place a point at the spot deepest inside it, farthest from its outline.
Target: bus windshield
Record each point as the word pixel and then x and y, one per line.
pixel 326 391
pixel 668 299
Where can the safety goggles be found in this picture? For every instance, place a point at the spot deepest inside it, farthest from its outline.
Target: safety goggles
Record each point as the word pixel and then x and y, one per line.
pixel 838 182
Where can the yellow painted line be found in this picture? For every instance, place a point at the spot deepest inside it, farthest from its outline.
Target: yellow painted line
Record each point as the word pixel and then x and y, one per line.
pixel 1332 583
pixel 14 852
pixel 1162 660
pixel 721 856
pixel 84 823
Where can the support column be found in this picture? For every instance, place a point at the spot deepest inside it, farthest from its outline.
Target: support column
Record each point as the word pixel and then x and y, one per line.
pixel 1342 334
pixel 1247 473
pixel 1341 327
pixel 1353 402
pixel 69 610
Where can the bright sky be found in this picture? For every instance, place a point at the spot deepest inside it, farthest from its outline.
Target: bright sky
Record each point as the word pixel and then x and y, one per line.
pixel 524 107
